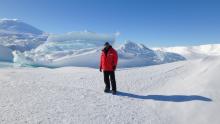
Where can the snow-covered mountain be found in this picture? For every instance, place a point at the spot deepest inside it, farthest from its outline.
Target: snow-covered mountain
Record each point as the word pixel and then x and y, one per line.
pixel 20 36
pixel 18 27
pixel 132 54
pixel 194 52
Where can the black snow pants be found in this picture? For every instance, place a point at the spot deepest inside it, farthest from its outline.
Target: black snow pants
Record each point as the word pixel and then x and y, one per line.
pixel 109 76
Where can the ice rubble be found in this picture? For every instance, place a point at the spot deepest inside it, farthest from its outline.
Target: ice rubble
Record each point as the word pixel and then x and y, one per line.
pixel 70 49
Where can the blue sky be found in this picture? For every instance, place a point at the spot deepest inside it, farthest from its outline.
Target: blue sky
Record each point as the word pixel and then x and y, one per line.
pixel 153 22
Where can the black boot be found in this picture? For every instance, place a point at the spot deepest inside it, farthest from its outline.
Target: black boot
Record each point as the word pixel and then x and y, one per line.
pixel 107 90
pixel 114 92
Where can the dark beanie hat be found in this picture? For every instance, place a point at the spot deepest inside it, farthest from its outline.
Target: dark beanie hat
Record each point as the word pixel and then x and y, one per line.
pixel 106 44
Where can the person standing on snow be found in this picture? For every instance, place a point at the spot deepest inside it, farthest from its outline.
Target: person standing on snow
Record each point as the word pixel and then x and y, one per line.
pixel 108 64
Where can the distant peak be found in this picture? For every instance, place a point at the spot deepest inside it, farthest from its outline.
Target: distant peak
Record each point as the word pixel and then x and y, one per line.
pixel 133 45
pixel 130 43
pixel 18 26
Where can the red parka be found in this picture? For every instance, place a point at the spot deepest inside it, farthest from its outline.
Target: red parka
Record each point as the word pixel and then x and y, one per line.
pixel 108 60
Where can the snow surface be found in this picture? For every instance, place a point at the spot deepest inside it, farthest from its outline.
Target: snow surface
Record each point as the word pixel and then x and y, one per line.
pixel 185 92
pixel 194 52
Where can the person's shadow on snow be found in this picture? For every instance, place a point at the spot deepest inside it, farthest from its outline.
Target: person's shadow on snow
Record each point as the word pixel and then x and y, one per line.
pixel 170 98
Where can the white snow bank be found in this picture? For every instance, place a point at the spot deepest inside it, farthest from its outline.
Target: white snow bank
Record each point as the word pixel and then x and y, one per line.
pixel 194 52
pixel 5 54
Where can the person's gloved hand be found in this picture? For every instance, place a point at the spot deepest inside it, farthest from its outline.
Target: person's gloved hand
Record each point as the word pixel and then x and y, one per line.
pixel 100 69
pixel 114 67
